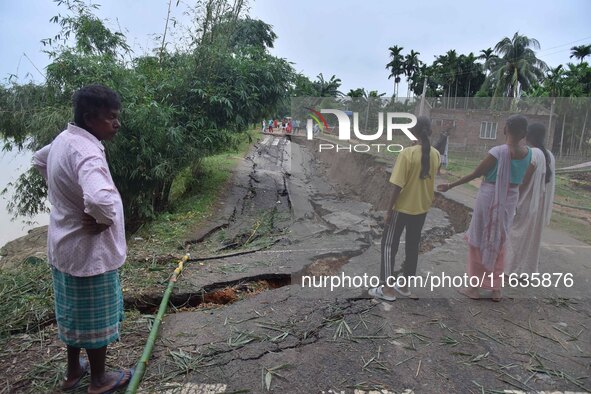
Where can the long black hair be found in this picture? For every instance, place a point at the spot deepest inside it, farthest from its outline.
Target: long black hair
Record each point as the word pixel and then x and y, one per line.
pixel 536 133
pixel 422 131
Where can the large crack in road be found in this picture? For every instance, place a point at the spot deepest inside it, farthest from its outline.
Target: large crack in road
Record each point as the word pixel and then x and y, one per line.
pixel 282 193
pixel 291 213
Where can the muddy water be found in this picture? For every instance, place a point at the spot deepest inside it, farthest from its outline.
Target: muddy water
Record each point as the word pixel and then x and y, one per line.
pixel 12 164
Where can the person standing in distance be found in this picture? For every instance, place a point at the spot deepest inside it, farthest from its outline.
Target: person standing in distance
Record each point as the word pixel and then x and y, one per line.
pixel 86 238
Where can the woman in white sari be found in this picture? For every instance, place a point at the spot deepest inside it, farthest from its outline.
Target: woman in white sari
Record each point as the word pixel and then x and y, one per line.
pixel 534 207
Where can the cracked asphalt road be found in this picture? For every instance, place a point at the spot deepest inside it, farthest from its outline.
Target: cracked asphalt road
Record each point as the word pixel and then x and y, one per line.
pixel 322 216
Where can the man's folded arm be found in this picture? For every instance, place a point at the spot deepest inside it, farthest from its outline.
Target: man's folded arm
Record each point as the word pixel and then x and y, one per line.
pixel 100 195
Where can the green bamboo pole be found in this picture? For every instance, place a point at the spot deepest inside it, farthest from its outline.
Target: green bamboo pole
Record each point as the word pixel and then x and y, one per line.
pixel 140 368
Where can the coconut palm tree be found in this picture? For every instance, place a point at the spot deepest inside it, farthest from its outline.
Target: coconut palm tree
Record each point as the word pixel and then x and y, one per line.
pixel 581 52
pixel 396 66
pixel 518 67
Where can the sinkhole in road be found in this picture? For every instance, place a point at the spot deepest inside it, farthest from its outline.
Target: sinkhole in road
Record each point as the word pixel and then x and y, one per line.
pixel 213 295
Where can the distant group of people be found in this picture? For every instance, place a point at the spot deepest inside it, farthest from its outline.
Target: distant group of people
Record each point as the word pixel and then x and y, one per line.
pixel 286 125
pixel 513 205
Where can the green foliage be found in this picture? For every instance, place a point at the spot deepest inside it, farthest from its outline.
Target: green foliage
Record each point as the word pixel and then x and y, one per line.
pixel 356 93
pixel 396 64
pixel 252 33
pixel 324 88
pixel 92 37
pixel 303 87
pixel 172 227
pixel 178 107
pixel 581 52
pixel 450 75
pixel 517 68
pixel 567 90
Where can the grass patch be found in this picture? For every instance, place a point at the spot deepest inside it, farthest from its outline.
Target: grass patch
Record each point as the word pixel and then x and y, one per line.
pixel 459 166
pixel 193 195
pixel 567 192
pixel 155 247
pixel 27 298
pixel 577 228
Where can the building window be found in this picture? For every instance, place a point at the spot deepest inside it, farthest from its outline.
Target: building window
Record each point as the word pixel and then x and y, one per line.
pixel 488 130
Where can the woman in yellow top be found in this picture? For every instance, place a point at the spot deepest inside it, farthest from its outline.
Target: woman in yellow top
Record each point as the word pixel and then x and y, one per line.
pixel 413 178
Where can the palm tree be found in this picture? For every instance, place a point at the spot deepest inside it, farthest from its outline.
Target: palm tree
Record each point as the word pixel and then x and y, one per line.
pixel 411 65
pixel 553 81
pixel 490 59
pixel 518 67
pixel 328 88
pixel 470 75
pixel 446 71
pixel 355 93
pixel 581 52
pixel 374 94
pixel 396 66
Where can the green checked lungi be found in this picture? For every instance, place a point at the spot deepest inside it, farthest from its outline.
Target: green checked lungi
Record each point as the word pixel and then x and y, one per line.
pixel 88 310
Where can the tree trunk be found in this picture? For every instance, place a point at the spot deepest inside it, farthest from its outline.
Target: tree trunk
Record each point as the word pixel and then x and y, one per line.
pixel 467 95
pixel 165 30
pixel 456 94
pixel 160 201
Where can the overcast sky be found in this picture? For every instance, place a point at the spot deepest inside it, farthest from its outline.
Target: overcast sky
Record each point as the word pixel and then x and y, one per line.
pixel 347 38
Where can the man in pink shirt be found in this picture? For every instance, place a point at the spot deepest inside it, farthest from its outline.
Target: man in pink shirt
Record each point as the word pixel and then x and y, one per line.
pixel 86 237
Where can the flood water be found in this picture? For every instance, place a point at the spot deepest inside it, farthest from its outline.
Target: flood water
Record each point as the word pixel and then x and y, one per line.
pixel 12 164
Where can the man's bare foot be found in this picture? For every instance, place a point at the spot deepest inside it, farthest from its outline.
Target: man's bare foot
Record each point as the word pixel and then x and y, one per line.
pixel 469 292
pixel 111 382
pixel 72 380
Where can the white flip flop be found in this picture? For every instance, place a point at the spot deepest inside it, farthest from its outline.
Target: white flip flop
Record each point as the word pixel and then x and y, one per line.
pixel 377 292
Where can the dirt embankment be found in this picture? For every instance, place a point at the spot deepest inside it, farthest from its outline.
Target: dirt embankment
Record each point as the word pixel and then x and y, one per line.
pixel 361 175
pixel 33 244
pixel 367 177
